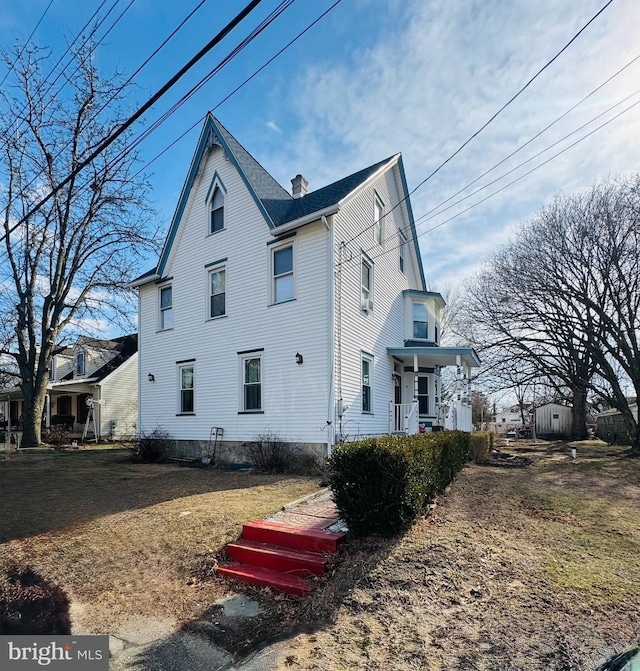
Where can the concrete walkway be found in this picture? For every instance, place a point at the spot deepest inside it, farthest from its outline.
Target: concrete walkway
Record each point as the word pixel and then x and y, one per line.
pixel 155 645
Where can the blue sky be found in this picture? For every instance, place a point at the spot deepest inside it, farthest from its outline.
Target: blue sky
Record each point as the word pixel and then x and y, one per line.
pixel 380 76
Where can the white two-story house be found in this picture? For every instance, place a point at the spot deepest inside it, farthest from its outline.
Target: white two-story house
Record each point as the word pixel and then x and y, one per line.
pixel 304 314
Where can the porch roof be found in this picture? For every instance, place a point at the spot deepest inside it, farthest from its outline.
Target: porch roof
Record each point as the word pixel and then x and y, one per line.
pixel 436 356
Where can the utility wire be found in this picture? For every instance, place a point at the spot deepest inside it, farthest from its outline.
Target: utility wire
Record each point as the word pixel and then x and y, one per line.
pixel 240 86
pixel 506 186
pixel 129 80
pixel 530 140
pixel 15 60
pixel 132 119
pixel 512 99
pixel 285 4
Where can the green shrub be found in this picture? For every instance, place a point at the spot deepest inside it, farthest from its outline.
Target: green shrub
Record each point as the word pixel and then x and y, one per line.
pixel 57 436
pixel 480 446
pixel 31 605
pixel 381 485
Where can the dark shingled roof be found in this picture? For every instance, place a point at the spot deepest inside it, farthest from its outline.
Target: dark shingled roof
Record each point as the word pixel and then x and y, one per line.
pixel 281 206
pixel 126 346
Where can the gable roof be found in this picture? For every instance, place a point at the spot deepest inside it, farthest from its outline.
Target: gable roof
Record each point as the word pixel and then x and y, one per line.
pixel 126 346
pixel 277 206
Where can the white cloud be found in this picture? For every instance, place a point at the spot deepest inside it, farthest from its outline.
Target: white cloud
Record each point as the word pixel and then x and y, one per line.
pixel 437 73
pixel 273 126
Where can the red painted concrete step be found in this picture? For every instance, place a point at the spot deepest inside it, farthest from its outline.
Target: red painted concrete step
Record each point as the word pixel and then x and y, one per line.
pixel 264 577
pixel 276 557
pixel 312 540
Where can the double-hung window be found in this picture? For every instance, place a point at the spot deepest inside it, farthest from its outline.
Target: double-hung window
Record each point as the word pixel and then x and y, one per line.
pixel 186 402
pixel 423 395
pixel 366 292
pixel 420 321
pixel 378 219
pixel 217 292
pixel 166 308
pixel 282 267
pixel 367 384
pixel 252 383
pixel 217 211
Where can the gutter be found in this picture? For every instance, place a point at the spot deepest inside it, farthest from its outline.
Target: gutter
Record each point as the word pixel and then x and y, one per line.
pixel 143 280
pixel 307 219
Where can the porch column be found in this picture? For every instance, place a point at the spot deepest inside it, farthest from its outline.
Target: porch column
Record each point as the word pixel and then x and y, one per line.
pixel 458 377
pixel 415 377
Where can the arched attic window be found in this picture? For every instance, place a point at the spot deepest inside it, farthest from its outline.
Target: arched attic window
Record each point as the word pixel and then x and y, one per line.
pixel 217 211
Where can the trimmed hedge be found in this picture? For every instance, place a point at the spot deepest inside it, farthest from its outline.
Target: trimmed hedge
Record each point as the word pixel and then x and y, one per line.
pixel 31 604
pixel 381 485
pixel 480 446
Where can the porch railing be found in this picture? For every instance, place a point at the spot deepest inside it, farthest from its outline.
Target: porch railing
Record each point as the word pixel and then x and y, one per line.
pixel 403 417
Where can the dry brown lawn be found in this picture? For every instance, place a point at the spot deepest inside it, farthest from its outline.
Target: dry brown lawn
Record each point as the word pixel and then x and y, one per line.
pixel 130 540
pixel 532 569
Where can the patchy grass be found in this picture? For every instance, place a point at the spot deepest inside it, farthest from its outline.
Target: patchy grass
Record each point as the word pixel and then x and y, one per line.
pixel 534 569
pixel 130 539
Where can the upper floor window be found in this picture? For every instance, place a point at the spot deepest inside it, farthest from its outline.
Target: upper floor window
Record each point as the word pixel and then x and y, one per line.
pixel 217 292
pixel 420 321
pixel 378 219
pixel 366 290
pixel 402 249
pixel 217 211
pixel 80 363
pixel 282 265
pixel 166 308
pixel 187 389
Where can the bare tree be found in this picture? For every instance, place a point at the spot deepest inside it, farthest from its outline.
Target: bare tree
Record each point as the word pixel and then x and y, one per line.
pixel 564 296
pixel 64 267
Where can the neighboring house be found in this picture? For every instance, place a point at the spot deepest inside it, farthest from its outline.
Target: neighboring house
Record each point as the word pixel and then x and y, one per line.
pixel 508 419
pixel 610 425
pixel 302 314
pixel 105 371
pixel 553 420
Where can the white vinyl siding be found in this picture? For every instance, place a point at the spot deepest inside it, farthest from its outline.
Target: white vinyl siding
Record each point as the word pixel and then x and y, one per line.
pixel 295 398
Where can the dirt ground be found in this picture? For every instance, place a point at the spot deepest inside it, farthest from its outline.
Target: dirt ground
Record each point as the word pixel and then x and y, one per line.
pixel 534 568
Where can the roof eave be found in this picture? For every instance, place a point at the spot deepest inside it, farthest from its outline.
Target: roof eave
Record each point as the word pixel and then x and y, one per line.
pixel 372 178
pixel 307 219
pixel 143 280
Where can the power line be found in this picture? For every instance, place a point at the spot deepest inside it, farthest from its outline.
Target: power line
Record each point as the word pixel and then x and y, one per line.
pixel 254 74
pixel 132 119
pixel 512 99
pixel 506 186
pixel 130 79
pixel 535 137
pixel 15 60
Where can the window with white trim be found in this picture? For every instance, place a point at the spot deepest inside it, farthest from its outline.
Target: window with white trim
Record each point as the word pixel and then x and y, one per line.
pixel 282 274
pixel 252 383
pixel 217 292
pixel 186 382
pixel 378 219
pixel 216 222
pixel 420 321
pixel 166 308
pixel 402 249
pixel 366 291
pixel 367 383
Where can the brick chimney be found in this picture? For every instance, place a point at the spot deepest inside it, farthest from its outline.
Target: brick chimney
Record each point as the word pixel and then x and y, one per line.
pixel 299 186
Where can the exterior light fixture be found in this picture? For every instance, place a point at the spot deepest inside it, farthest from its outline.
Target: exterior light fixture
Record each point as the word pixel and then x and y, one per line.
pixel 299 358
pixel 151 377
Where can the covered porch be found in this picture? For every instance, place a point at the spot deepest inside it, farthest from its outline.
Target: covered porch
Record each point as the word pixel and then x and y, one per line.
pixel 417 406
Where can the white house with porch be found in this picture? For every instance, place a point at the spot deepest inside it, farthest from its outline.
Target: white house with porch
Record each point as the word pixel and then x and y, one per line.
pixel 303 314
